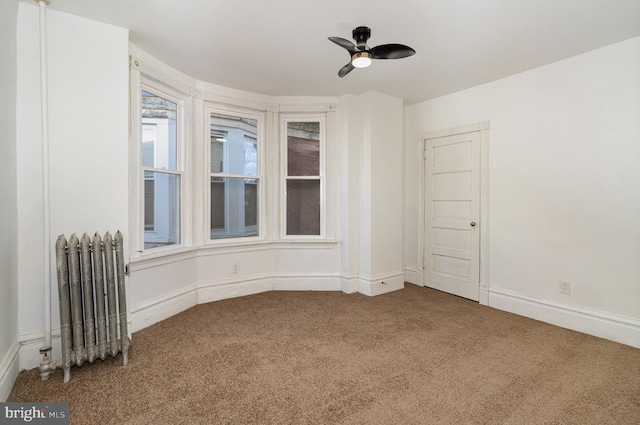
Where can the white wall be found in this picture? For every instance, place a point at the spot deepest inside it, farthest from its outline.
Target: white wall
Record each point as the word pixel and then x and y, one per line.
pixel 380 194
pixel 88 132
pixel 8 194
pixel 564 188
pixel 348 134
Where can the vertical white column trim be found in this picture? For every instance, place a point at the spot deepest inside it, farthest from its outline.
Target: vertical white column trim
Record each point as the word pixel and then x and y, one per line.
pixel 136 202
pixel 44 104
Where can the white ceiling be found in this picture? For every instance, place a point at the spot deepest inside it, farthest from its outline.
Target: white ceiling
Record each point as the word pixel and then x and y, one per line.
pixel 280 47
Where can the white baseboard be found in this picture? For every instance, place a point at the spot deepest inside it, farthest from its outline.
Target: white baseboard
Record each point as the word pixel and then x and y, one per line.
pixel 254 284
pixel 9 369
pixel 624 330
pixel 161 308
pixel 30 345
pixel 381 284
pixel 483 294
pixel 307 283
pixel 349 284
pixel 413 275
pixel 232 288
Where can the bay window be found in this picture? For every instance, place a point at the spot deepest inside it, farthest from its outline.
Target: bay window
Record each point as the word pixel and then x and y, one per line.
pixel 211 189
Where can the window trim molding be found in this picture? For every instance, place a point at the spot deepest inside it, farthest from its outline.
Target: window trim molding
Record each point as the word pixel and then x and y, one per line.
pixel 157 83
pixel 307 116
pixel 215 106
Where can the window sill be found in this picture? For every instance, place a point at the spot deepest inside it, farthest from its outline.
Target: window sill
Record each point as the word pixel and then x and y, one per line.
pixel 306 243
pixel 144 261
pixel 263 244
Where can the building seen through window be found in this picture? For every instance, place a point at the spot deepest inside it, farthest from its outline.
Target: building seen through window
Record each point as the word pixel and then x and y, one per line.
pixel 303 179
pixel 160 168
pixel 234 180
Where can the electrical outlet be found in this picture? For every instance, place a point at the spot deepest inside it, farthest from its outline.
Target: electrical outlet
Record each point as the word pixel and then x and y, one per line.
pixel 236 267
pixel 565 287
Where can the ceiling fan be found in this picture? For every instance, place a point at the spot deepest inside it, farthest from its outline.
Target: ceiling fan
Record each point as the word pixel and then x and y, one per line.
pixel 361 54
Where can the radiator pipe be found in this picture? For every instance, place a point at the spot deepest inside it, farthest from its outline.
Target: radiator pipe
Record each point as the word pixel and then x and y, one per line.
pixel 46 365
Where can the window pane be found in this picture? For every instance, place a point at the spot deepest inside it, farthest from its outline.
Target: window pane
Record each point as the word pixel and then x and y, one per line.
pixel 250 202
pixel 234 207
pixel 162 209
pixel 218 143
pixel 233 145
pixel 218 189
pixel 303 207
pixel 159 132
pixel 148 145
pixel 149 206
pixel 303 148
pixel 250 156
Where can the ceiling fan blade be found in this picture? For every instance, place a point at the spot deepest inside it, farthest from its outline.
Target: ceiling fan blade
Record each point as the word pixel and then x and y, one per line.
pixel 351 48
pixel 391 51
pixel 345 70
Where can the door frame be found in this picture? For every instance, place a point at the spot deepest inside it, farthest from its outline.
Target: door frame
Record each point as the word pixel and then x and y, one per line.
pixel 483 129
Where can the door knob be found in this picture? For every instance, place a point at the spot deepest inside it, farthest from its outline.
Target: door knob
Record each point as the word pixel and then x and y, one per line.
pixel 472 224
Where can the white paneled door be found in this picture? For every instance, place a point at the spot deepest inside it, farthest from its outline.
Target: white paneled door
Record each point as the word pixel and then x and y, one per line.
pixel 452 214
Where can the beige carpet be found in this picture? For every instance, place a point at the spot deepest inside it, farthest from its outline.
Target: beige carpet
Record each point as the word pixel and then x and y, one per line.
pixel 415 356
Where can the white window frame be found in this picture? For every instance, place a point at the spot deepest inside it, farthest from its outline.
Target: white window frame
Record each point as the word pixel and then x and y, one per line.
pixel 139 82
pixel 286 118
pixel 260 117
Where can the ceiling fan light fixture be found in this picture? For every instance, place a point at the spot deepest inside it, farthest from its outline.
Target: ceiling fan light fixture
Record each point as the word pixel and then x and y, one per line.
pixel 361 55
pixel 361 59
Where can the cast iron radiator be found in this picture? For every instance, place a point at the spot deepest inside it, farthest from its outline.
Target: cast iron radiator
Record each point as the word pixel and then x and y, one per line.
pixel 92 299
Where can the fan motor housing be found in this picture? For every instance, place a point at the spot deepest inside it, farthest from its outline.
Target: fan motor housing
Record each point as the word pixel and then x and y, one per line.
pixel 361 35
